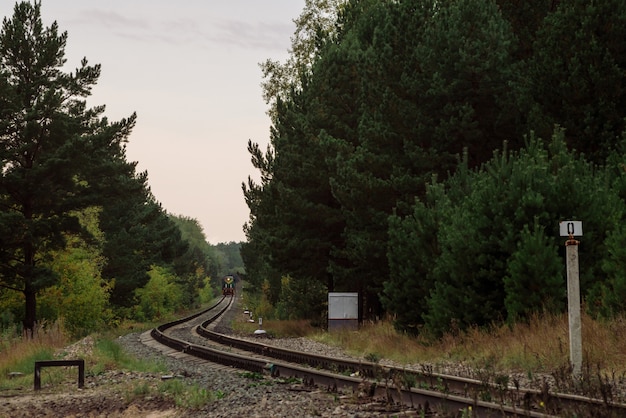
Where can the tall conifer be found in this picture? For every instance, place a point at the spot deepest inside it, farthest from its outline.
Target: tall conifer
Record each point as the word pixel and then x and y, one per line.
pixel 50 146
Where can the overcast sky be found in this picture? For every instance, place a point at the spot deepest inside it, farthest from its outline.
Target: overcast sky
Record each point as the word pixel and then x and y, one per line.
pixel 190 71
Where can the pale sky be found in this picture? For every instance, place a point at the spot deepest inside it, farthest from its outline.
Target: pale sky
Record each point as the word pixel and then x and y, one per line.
pixel 190 71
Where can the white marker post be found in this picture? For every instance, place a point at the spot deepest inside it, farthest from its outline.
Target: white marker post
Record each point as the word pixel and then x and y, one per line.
pixel 571 229
pixel 260 330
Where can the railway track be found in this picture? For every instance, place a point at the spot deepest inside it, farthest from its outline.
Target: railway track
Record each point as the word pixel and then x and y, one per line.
pixel 426 391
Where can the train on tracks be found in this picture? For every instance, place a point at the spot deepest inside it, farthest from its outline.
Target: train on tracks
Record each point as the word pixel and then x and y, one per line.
pixel 228 285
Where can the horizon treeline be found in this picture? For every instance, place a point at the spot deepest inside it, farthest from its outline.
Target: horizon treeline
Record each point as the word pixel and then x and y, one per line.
pixel 82 238
pixel 423 153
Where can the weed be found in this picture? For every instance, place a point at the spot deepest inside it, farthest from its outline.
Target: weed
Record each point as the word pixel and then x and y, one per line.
pixel 466 412
pixel 409 380
pixel 257 378
pixel 252 375
pixel 373 357
pixel 197 397
pixel 138 390
pixel 172 387
pixel 187 396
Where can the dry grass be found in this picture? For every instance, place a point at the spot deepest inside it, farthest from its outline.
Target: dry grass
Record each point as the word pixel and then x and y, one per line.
pixel 18 354
pixel 14 348
pixel 375 341
pixel 540 345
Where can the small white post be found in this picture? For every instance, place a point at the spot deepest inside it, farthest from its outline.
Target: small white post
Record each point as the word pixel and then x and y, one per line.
pixel 573 307
pixel 571 229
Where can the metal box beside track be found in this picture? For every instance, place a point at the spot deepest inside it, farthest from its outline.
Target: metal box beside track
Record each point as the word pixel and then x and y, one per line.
pixel 343 311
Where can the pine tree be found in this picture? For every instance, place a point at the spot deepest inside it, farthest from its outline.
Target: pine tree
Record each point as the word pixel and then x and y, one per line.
pixel 294 221
pixel 52 148
pixel 578 75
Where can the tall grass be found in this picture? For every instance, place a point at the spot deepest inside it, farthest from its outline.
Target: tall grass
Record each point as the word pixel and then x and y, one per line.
pixel 541 344
pixel 19 353
pixel 16 350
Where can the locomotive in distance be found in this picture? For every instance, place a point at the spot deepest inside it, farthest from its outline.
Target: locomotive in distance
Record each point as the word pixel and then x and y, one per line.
pixel 228 285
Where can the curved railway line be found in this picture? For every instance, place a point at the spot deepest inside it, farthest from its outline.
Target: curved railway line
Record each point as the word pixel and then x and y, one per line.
pixel 431 394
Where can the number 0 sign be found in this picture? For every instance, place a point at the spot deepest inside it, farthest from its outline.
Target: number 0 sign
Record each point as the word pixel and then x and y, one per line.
pixel 571 228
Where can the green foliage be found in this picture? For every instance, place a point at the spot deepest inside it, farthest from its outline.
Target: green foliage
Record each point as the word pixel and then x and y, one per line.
pixel 160 296
pixel 206 293
pixel 380 129
pixel 185 395
pixel 263 308
pixel 229 258
pixel 289 210
pixel 11 309
pixel 25 365
pixel 301 299
pixel 195 261
pixel 201 259
pixel 81 298
pixel 535 277
pixel 411 238
pixel 108 351
pixel 608 299
pixel 58 157
pixel 138 234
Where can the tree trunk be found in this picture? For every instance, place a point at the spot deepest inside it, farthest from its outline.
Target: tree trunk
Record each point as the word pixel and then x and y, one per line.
pixel 30 317
pixel 30 293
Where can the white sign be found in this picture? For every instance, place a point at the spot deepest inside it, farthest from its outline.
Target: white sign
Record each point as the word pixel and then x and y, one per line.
pixel 573 228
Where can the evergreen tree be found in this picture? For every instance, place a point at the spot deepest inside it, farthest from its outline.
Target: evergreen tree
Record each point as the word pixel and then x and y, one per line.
pixel 51 148
pixel 138 236
pixel 466 82
pixel 258 197
pixel 495 254
pixel 535 279
pixel 414 238
pixel 316 22
pixel 578 75
pixel 198 262
pixel 294 221
pixel 607 298
pixel 429 80
pixel 526 18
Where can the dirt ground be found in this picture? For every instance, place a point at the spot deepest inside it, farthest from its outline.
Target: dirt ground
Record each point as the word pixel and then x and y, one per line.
pixel 69 401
